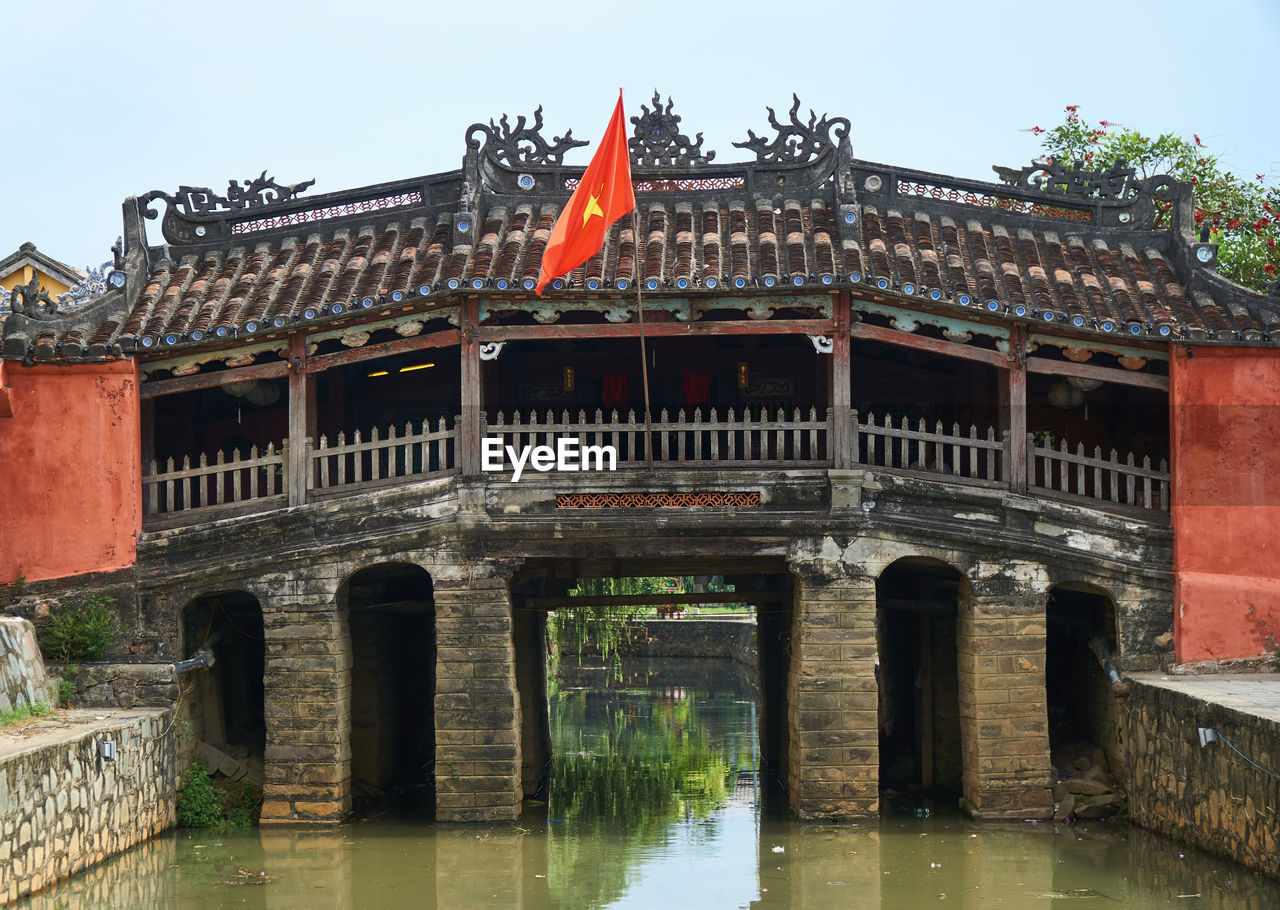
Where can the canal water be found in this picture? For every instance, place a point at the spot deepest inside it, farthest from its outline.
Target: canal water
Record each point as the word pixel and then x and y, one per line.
pixel 655 801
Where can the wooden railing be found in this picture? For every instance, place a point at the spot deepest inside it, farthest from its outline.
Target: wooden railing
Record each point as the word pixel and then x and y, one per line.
pixel 222 484
pixel 690 441
pixel 383 458
pixel 1062 474
pixel 747 439
pixel 970 458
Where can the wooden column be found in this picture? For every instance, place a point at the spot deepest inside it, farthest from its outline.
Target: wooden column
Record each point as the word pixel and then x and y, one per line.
pixel 1013 407
pixel 302 419
pixel 842 437
pixel 469 429
pixel 148 447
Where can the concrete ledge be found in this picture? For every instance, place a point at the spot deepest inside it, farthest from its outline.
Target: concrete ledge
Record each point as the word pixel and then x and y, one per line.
pixel 64 808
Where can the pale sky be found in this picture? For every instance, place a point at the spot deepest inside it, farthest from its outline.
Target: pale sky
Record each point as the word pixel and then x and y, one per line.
pixel 104 101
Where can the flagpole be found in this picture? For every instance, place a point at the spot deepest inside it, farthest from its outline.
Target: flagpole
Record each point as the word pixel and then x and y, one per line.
pixel 644 357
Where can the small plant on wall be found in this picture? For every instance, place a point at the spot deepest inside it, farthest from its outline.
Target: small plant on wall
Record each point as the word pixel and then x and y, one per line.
pixel 202 804
pixel 81 629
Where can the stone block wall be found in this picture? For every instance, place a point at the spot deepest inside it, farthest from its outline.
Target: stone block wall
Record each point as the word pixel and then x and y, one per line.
pixel 1003 711
pixel 121 685
pixel 64 809
pixel 478 715
pixel 22 677
pixel 308 712
pixel 1206 795
pixel 833 748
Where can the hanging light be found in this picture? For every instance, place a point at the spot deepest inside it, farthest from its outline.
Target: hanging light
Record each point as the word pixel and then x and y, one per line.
pixel 1064 395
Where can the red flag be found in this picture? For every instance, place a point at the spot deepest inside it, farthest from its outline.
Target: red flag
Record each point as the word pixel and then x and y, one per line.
pixel 603 196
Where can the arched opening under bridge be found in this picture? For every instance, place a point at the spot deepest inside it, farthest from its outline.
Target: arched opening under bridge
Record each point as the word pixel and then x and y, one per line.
pixel 224 704
pixel 391 616
pixel 917 607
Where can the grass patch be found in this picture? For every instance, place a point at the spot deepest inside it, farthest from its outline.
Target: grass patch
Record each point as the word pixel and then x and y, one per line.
pixel 15 716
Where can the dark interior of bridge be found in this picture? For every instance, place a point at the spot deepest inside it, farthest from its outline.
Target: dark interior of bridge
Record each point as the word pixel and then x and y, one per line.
pixel 919 715
pixel 228 699
pixel 1081 706
pixel 392 622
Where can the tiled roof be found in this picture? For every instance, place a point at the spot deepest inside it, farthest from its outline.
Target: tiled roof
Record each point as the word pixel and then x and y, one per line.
pixel 801 224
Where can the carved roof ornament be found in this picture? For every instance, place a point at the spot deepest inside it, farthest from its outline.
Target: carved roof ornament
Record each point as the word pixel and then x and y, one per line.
pixel 658 142
pixel 796 142
pixel 25 299
pixel 523 144
pixel 200 200
pixel 1117 183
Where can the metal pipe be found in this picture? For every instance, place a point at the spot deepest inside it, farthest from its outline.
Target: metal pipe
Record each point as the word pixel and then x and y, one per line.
pixel 1119 685
pixel 203 659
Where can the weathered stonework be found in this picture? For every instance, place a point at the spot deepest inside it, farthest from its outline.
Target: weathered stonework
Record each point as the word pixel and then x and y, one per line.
pixel 63 808
pixel 308 696
pixel 473 535
pixel 831 689
pixel 1003 711
pixel 22 671
pixel 478 719
pixel 1206 795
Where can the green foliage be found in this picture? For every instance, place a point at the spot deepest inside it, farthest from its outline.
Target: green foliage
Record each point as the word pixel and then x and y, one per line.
pixel 15 716
pixel 1243 214
pixel 81 630
pixel 66 692
pixel 199 802
pixel 240 815
pixel 202 804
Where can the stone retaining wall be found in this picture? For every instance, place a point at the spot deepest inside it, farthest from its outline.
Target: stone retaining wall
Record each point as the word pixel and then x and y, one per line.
pixel 22 679
pixel 1206 795
pixel 64 809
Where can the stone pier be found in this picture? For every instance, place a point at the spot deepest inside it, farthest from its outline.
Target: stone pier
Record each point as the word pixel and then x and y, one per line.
pixel 478 716
pixel 831 692
pixel 307 686
pixel 1003 710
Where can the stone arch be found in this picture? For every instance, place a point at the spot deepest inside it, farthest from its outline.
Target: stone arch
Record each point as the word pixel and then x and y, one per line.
pixel 918 605
pixel 1081 687
pixel 225 702
pixel 388 609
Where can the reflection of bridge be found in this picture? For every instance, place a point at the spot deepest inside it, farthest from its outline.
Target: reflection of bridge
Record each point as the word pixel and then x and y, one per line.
pixel 355 592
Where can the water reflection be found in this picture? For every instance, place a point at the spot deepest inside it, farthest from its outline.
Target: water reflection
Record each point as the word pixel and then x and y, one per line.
pixel 612 836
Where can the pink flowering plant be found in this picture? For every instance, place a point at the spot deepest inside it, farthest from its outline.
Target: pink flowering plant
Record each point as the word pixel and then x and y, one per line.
pixel 1243 215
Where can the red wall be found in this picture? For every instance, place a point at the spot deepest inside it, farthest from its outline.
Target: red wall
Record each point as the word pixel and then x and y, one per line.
pixel 70 488
pixel 1226 437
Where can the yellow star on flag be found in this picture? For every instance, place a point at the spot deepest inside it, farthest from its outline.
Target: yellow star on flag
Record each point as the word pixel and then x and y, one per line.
pixel 593 206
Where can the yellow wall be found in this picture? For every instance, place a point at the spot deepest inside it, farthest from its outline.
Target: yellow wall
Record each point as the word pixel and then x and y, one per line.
pixel 23 275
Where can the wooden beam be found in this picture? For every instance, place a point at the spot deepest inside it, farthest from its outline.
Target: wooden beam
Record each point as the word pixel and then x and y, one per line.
pixel 842 438
pixel 652 600
pixel 444 339
pixel 300 408
pixel 657 330
pixel 924 343
pixel 199 381
pixel 1015 380
pixel 469 430
pixel 1103 374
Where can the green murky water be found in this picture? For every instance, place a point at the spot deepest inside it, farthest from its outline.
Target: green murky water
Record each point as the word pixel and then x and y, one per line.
pixel 652 805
